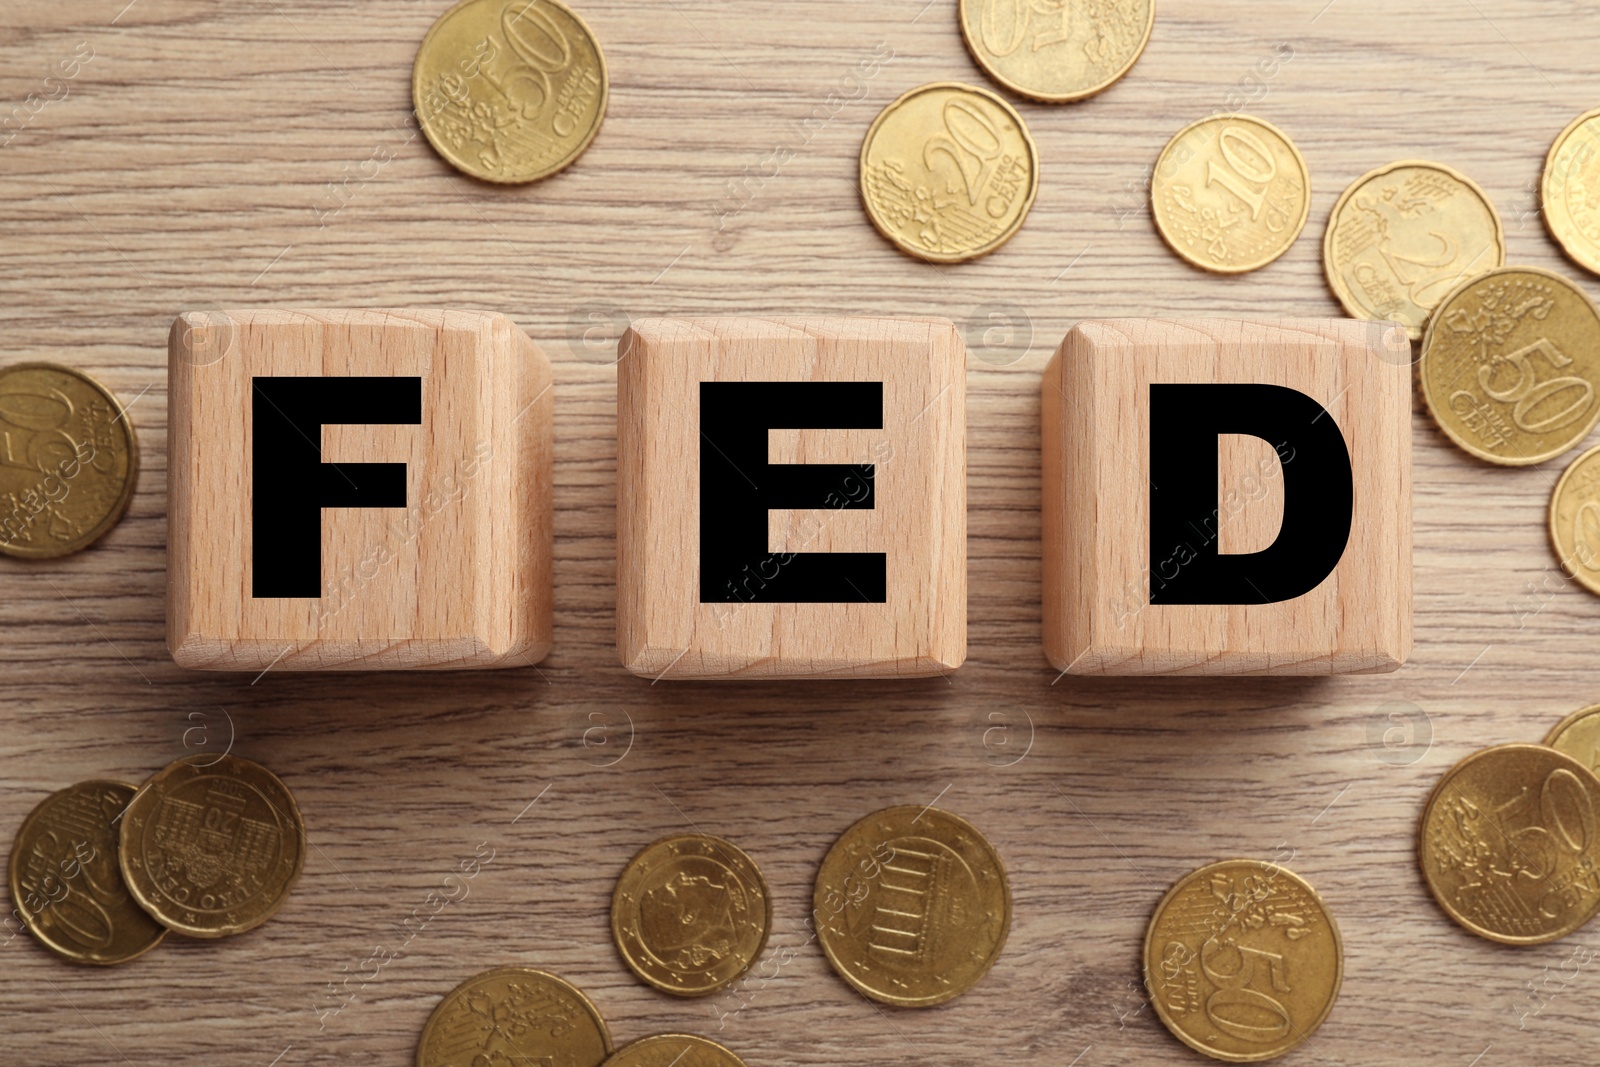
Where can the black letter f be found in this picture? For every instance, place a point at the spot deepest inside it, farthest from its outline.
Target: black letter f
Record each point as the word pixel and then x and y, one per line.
pixel 290 483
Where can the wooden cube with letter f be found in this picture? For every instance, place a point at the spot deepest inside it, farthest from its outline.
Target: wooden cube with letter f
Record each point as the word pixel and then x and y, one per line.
pixel 1228 497
pixel 358 490
pixel 791 498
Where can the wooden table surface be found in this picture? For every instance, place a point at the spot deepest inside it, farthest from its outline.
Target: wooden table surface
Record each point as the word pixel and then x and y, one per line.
pixel 225 154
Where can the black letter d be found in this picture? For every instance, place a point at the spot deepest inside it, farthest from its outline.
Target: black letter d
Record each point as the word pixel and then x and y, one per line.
pixel 1318 494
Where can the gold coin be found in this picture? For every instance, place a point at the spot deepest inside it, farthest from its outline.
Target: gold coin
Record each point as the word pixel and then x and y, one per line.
pixel 690 914
pixel 1055 50
pixel 1242 960
pixel 1578 735
pixel 912 906
pixel 1403 236
pixel 1509 366
pixel 510 90
pixel 69 459
pixel 212 845
pixel 674 1050
pixel 1571 189
pixel 1510 843
pixel 514 1015
pixel 65 883
pixel 1575 521
pixel 948 172
pixel 1230 193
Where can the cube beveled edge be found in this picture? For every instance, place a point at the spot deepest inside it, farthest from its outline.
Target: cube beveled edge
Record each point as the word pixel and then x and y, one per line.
pixel 1371 334
pixel 657 662
pixel 198 653
pixel 1145 661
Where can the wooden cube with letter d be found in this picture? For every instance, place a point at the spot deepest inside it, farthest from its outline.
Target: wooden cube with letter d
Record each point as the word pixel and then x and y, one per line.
pixel 791 498
pixel 1228 497
pixel 358 490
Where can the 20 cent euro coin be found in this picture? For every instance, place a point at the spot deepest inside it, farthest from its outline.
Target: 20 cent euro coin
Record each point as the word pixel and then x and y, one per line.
pixel 948 172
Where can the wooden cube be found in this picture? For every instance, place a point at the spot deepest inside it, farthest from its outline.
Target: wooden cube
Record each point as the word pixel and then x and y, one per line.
pixel 791 498
pixel 1228 497
pixel 358 490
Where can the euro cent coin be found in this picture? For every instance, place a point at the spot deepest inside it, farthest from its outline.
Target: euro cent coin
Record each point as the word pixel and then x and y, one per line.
pixel 1510 364
pixel 69 460
pixel 912 906
pixel 1578 735
pixel 510 91
pixel 1056 51
pixel 1571 188
pixel 211 846
pixel 690 914
pixel 674 1050
pixel 65 882
pixel 1403 236
pixel 1230 193
pixel 948 172
pixel 1575 521
pixel 1510 844
pixel 1243 960
pixel 514 1015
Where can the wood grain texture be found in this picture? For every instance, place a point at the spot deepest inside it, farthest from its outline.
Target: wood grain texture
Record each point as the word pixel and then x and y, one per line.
pixel 1101 583
pixel 186 169
pixel 458 578
pixel 913 463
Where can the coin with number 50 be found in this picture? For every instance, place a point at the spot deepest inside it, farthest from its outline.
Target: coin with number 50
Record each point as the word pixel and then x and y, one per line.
pixel 510 90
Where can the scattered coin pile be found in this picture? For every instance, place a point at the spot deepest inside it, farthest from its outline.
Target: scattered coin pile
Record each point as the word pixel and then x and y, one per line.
pixel 911 906
pixel 950 171
pixel 1243 960
pixel 208 847
pixel 69 459
pixel 1509 841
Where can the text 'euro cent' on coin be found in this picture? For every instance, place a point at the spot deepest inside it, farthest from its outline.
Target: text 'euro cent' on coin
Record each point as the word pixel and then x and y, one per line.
pixel 948 172
pixel 1242 960
pixel 1510 365
pixel 1510 843
pixel 1403 236
pixel 510 90
pixel 1230 193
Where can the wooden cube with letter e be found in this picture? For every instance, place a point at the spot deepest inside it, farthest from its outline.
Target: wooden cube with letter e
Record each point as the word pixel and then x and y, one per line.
pixel 1228 497
pixel 791 498
pixel 358 490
